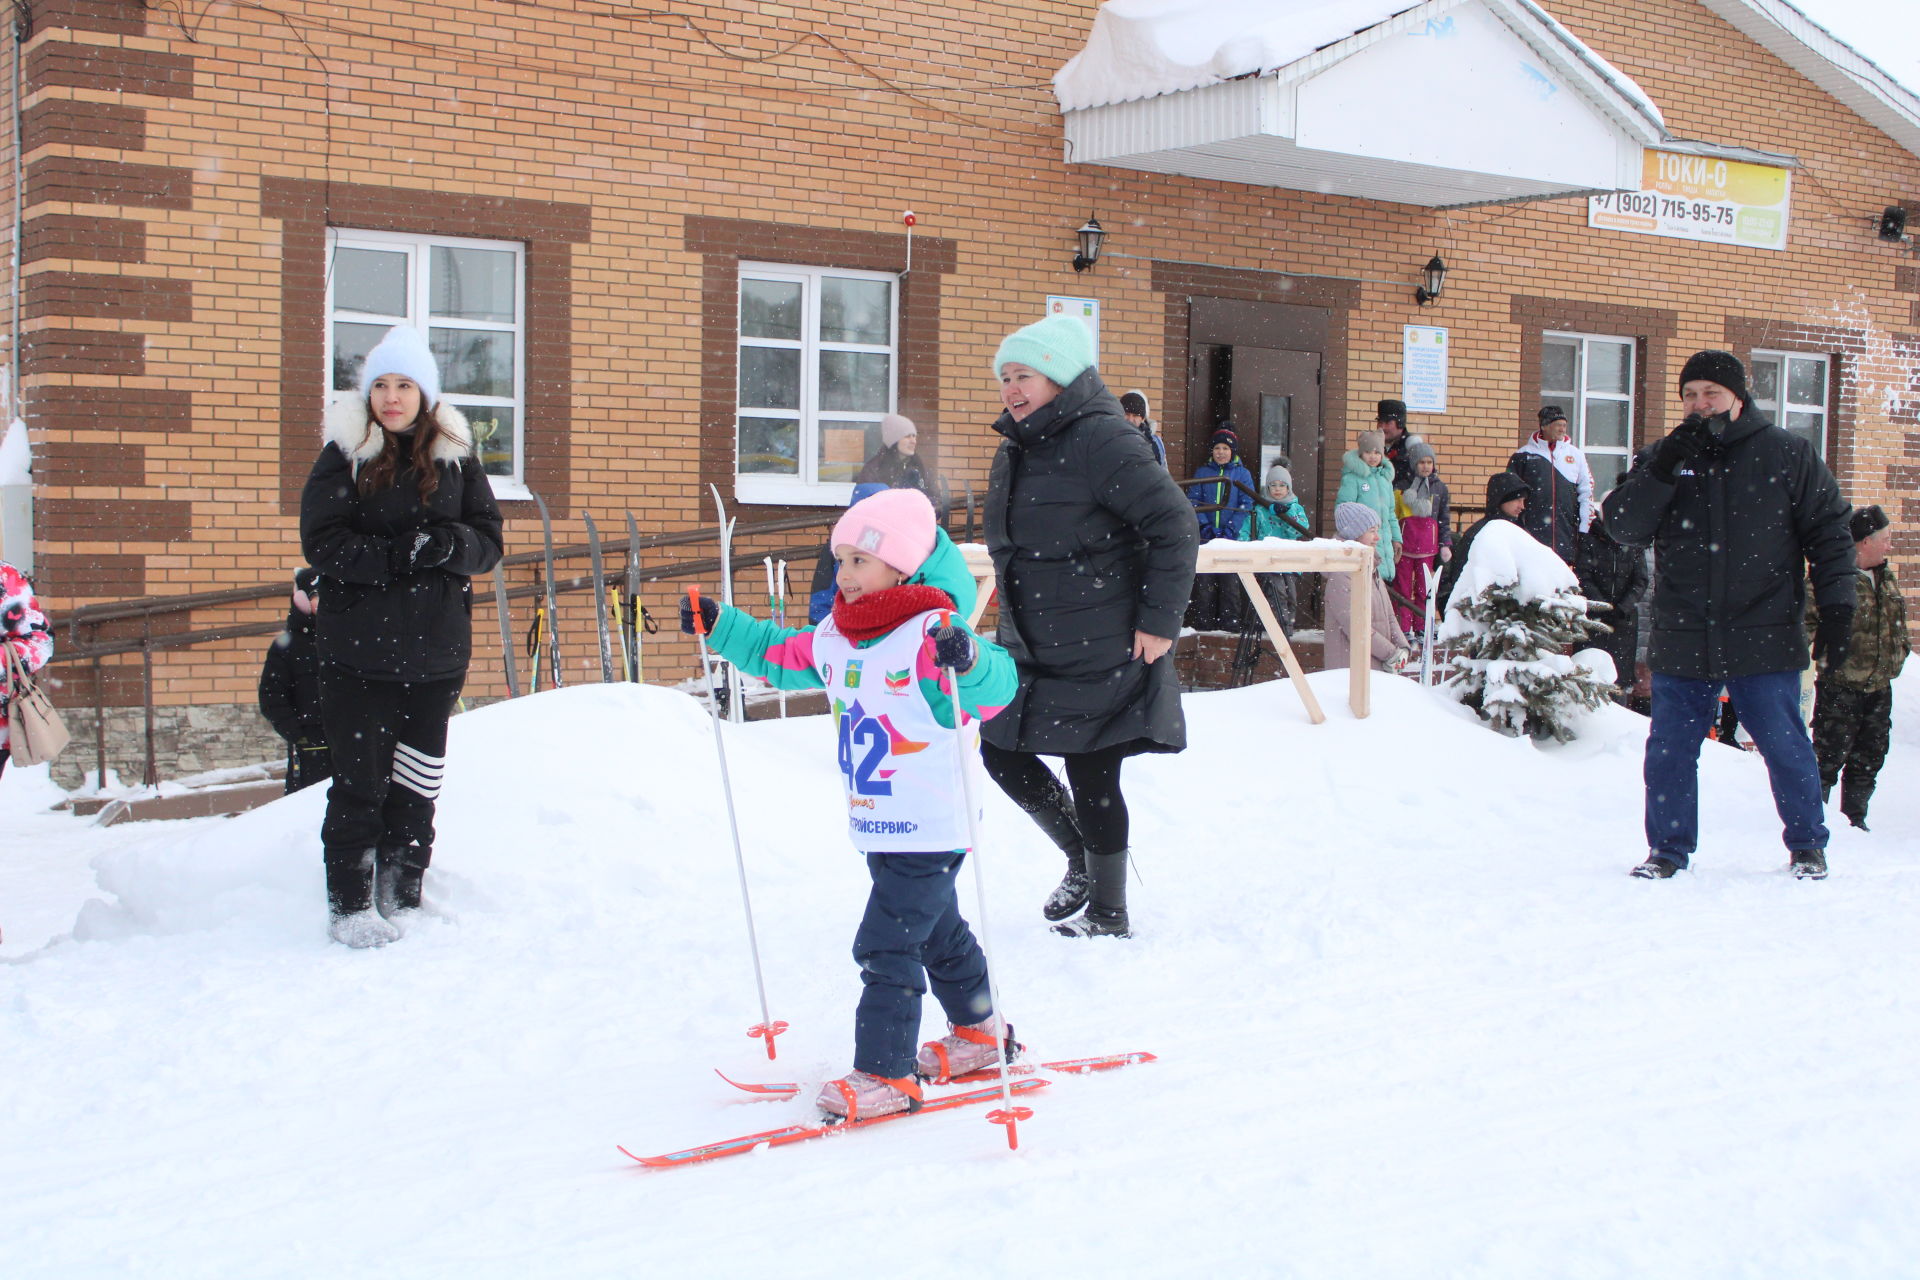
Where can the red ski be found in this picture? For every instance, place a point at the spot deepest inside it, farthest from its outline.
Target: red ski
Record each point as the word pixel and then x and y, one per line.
pixel 802 1132
pixel 1068 1066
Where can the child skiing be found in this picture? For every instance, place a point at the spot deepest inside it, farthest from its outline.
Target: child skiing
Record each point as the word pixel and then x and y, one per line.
pixel 882 657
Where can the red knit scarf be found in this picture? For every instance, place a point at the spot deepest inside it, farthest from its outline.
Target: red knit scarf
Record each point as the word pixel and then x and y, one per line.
pixel 878 612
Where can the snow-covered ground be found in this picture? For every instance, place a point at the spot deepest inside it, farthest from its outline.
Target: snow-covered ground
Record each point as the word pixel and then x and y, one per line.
pixel 1413 1019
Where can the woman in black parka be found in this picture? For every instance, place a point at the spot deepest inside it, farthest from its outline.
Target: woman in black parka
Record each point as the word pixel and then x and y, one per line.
pixel 397 516
pixel 1094 548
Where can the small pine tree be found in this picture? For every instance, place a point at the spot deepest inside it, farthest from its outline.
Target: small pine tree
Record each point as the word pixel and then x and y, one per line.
pixel 1513 618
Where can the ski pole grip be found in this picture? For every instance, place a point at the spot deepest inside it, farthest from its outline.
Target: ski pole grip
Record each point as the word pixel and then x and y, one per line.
pixel 699 619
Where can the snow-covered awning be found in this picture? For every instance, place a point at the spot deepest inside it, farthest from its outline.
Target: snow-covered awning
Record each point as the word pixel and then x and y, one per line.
pixel 1446 103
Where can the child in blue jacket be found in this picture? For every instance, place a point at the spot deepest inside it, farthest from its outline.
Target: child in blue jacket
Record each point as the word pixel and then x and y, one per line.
pixel 882 656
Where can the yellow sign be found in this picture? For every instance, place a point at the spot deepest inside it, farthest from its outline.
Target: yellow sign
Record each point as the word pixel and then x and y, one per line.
pixel 1688 197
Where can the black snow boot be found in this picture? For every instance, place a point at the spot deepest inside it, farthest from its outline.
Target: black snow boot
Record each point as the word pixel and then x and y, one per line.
pixel 1654 868
pixel 1057 820
pixel 1106 915
pixel 352 920
pixel 397 882
pixel 1809 864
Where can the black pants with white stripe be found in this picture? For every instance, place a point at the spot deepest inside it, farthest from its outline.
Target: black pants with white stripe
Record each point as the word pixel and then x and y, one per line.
pixel 389 745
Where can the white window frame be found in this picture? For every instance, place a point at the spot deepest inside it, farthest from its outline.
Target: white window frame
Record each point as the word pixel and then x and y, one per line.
pixel 419 252
pixel 1778 412
pixel 806 488
pixel 1577 397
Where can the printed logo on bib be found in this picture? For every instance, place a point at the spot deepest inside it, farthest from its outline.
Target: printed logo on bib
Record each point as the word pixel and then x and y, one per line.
pixel 853 673
pixel 867 745
pixel 900 682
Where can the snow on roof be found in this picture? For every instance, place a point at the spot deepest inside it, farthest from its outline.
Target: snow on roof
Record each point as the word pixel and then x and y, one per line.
pixel 1145 48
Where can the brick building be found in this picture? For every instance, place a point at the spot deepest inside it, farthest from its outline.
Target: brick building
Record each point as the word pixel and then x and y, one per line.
pixel 663 249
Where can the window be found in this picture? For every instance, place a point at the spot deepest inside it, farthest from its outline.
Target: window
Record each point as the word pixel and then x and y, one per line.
pixel 469 297
pixel 1592 379
pixel 817 370
pixel 1803 409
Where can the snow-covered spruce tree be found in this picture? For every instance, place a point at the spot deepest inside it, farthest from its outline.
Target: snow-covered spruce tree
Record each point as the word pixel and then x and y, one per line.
pixel 1515 613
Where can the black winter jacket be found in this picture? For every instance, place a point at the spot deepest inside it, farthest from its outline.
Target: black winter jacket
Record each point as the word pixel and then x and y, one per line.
pixel 1617 576
pixel 1735 535
pixel 374 623
pixel 1092 541
pixel 1499 489
pixel 290 682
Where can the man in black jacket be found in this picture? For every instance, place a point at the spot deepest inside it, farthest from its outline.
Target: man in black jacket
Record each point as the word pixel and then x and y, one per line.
pixel 1506 500
pixel 1740 514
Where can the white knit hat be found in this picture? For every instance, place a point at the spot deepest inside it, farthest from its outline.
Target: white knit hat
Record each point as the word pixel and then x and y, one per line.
pixel 896 427
pixel 403 351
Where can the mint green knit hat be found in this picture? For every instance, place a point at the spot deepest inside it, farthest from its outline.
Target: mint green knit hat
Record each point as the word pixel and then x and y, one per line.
pixel 1060 347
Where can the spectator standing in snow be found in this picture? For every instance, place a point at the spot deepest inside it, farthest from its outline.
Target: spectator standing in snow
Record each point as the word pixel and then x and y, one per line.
pixel 290 689
pixel 1506 500
pixel 1425 540
pixel 1559 485
pixel 1218 604
pixel 883 656
pixel 899 464
pixel 1617 577
pixel 1280 516
pixel 1390 420
pixel 1739 513
pixel 1134 405
pixel 1095 559
pixel 397 515
pixel 1366 477
pixel 1853 701
pixel 1358 522
pixel 27 636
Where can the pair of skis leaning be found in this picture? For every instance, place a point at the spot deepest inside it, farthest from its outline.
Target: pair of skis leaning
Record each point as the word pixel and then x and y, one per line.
pixel 1028 1082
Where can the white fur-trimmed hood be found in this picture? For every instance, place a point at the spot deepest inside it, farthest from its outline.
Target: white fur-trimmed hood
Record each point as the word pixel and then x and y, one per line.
pixel 348 427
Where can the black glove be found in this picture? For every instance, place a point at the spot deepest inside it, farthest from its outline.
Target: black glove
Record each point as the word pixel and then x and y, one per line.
pixel 1681 445
pixel 419 549
pixel 953 647
pixel 1833 639
pixel 709 614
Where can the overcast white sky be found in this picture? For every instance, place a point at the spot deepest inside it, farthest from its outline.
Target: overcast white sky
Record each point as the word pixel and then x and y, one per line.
pixel 1887 31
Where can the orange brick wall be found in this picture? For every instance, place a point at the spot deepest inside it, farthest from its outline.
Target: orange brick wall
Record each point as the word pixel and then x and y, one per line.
pixel 835 117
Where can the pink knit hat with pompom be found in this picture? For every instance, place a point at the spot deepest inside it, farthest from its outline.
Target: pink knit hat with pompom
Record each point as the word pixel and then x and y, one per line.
pixel 896 527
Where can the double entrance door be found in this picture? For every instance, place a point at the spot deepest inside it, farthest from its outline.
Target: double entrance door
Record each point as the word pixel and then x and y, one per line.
pixel 1258 365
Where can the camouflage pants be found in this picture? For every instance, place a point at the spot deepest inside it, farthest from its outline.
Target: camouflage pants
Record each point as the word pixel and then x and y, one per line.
pixel 1850 731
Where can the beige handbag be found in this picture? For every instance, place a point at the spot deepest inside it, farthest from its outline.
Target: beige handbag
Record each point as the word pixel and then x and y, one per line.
pixel 35 732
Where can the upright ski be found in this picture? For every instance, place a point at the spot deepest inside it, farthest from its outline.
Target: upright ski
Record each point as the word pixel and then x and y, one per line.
pixel 803 1132
pixel 599 597
pixel 630 620
pixel 736 694
pixel 506 630
pixel 553 620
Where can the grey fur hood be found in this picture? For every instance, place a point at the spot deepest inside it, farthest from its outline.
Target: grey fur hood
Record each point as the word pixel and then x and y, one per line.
pixel 348 428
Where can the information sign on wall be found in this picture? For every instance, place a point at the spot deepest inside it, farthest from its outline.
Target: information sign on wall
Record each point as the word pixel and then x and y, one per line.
pixel 1700 198
pixel 1086 310
pixel 1423 369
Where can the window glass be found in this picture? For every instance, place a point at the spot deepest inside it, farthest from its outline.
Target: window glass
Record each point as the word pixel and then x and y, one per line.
pixel 845 447
pixel 1557 366
pixel 474 284
pixel 770 446
pixel 351 342
pixel 493 436
pixel 1606 424
pixel 1765 380
pixel 1591 379
pixel 855 380
pixel 473 362
pixel 1792 389
pixel 1807 382
pixel 770 377
pixel 771 309
pixel 370 281
pixel 856 311
pixel 1609 367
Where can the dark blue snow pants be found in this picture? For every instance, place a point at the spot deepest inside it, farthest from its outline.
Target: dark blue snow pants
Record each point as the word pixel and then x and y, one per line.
pixel 911 937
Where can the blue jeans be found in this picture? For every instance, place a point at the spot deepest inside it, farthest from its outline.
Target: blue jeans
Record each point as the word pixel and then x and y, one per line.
pixel 1769 709
pixel 912 935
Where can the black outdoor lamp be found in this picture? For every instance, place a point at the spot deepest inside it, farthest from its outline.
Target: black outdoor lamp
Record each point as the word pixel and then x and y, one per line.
pixel 1433 277
pixel 1091 233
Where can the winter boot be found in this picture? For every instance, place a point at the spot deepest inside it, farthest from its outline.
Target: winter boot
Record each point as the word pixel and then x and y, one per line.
pixel 1809 864
pixel 397 879
pixel 1056 819
pixel 859 1096
pixel 353 921
pixel 1106 915
pixel 963 1050
pixel 1655 868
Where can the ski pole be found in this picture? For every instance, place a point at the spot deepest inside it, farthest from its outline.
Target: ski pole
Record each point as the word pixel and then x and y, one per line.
pixel 767 1028
pixel 1007 1114
pixel 783 622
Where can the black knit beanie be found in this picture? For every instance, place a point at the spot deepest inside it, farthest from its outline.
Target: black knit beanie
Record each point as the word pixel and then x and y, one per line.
pixel 1722 367
pixel 1551 413
pixel 1391 410
pixel 1866 522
